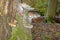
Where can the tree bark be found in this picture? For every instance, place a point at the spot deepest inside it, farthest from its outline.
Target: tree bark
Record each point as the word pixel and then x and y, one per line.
pixel 5 17
pixel 52 5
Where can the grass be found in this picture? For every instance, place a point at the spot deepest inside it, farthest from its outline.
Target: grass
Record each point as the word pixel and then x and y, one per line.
pixel 19 32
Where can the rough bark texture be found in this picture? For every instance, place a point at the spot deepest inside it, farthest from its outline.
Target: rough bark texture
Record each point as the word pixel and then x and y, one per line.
pixel 5 29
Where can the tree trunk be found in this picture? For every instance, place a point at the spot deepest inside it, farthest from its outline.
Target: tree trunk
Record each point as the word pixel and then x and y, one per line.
pixel 52 4
pixel 5 17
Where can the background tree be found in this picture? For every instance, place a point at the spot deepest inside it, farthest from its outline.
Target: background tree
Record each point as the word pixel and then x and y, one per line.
pixel 51 11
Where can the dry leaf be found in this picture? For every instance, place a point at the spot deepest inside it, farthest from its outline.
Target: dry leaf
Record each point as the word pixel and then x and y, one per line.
pixel 12 25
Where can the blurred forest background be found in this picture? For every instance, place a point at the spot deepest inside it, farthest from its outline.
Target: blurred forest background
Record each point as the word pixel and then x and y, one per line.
pixel 8 16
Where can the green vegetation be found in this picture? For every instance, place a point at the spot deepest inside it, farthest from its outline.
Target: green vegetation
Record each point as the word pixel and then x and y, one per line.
pixel 40 5
pixel 58 8
pixel 45 37
pixel 19 31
